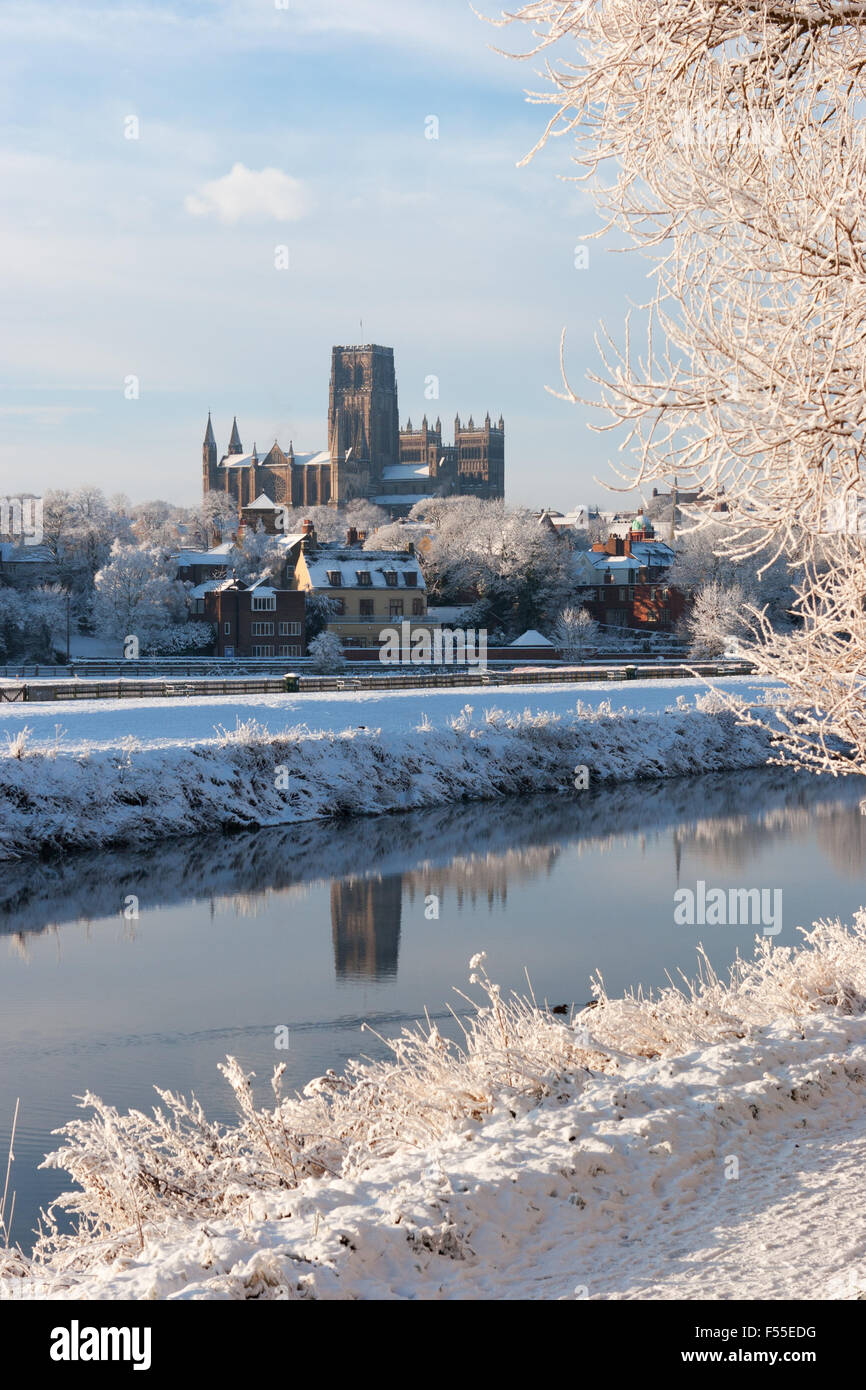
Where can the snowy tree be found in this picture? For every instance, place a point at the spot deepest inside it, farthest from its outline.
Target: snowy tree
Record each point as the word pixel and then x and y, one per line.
pixel 517 571
pixel 318 612
pixel 32 622
pixel 136 595
pixel 724 138
pixel 332 523
pixel 716 618
pixel 326 651
pixel 79 529
pixel 217 516
pixel 181 639
pixel 256 555
pixel 575 630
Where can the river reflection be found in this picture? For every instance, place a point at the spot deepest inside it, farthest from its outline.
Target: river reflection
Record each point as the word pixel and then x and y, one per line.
pixel 132 968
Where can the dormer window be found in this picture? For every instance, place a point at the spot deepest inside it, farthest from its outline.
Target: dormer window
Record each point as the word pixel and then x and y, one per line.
pixel 411 578
pixel 365 579
pixel 391 578
pixel 335 579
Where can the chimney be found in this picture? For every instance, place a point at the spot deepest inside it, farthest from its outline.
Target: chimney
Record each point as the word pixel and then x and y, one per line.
pixel 362 536
pixel 410 547
pixel 309 541
pixel 351 536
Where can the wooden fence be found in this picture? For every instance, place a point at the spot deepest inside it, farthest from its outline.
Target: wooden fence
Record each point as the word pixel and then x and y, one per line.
pixel 46 691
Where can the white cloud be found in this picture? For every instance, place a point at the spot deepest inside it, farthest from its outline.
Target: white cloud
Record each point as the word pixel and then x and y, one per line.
pixel 252 193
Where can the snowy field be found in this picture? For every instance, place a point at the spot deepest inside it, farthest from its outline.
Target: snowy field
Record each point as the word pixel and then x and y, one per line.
pixel 160 723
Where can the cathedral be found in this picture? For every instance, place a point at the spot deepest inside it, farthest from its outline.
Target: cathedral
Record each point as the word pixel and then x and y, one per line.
pixel 368 454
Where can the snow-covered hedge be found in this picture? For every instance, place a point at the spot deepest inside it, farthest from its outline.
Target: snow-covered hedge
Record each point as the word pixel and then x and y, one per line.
pixel 51 800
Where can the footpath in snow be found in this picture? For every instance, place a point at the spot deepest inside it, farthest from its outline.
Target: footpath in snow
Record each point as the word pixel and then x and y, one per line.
pixel 705 1144
pixel 163 723
pixel 59 795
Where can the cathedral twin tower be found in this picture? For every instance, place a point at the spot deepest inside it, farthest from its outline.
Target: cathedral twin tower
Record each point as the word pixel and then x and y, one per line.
pixel 368 455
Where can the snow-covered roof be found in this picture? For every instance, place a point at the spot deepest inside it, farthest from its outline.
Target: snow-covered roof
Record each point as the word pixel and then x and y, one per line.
pixel 206 587
pixel 348 563
pixel 262 503
pixel 395 498
pixel 405 471
pixel 530 638
pixel 653 553
pixel 216 556
pixel 310 460
pixel 245 460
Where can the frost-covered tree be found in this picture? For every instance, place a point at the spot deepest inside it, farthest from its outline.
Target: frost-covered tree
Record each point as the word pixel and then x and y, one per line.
pixel 516 570
pixel 136 594
pixel 318 612
pixel 725 139
pixel 79 529
pixel 326 651
pixel 575 630
pixel 256 555
pixel 32 622
pixel 180 639
pixel 716 618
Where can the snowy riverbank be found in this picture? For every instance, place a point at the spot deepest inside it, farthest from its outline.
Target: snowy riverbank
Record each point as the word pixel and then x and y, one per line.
pixel 705 1144
pixel 55 799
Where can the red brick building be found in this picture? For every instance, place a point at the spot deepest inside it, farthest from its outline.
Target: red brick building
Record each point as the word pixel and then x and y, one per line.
pixel 256 620
pixel 623 581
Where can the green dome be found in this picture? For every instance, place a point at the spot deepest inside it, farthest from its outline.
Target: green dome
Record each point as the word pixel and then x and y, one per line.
pixel 641 523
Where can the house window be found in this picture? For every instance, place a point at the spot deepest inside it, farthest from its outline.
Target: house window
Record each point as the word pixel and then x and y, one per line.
pixel 290 630
pixel 335 578
pixel 623 595
pixel 365 579
pixel 289 651
pixel 417 607
pixel 264 603
pixel 411 578
pixel 339 606
pixel 263 629
pixel 227 627
pixel 395 608
pixel 365 607
pixel 263 651
pixel 391 578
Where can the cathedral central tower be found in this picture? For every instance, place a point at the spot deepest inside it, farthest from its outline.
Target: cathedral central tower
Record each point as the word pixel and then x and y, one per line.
pixel 363 421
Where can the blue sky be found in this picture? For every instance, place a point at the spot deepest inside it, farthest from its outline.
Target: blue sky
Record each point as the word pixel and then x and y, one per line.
pixel 261 127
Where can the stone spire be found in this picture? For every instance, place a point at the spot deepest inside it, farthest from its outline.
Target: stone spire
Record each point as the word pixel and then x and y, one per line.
pixel 235 445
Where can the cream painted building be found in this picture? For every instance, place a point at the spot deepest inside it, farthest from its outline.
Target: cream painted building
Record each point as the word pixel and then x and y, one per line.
pixel 375 589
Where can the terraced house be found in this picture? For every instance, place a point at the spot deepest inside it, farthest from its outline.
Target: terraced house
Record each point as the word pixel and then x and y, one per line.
pixel 369 589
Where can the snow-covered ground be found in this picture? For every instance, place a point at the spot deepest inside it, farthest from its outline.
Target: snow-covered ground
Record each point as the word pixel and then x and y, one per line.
pixel 160 723
pixel 701 1145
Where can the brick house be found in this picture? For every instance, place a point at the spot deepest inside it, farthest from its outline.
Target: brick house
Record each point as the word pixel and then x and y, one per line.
pixel 256 620
pixel 623 581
